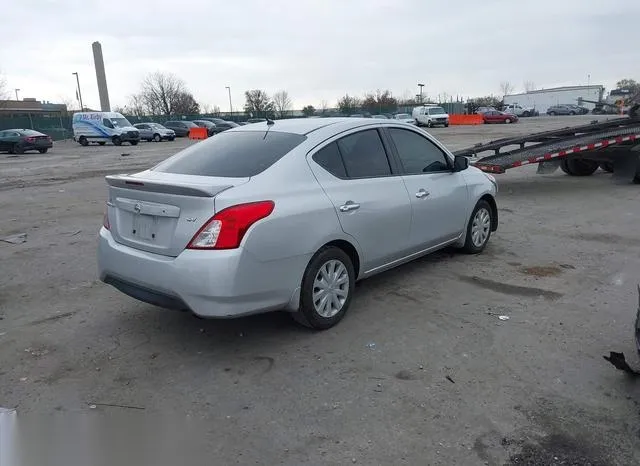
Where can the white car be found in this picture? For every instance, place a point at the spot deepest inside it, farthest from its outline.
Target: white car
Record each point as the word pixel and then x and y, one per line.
pixel 405 117
pixel 430 115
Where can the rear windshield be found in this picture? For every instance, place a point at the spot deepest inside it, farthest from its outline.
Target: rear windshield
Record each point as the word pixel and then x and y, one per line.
pixel 30 132
pixel 232 154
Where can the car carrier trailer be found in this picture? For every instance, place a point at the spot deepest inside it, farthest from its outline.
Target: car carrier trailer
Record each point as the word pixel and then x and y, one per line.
pixel 613 145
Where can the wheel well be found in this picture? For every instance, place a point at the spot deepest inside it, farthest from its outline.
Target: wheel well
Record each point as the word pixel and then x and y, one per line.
pixel 494 210
pixel 351 252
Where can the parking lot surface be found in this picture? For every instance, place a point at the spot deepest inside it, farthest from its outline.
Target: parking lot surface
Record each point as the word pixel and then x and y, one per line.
pixel 424 369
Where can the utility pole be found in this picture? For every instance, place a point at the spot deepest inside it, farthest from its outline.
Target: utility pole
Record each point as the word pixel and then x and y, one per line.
pixel 79 92
pixel 420 86
pixel 17 93
pixel 230 106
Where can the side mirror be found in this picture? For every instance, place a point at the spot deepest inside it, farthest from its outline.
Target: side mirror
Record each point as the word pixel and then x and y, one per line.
pixel 460 162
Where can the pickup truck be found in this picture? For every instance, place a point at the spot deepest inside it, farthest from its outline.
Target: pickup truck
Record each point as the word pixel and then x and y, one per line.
pixel 520 111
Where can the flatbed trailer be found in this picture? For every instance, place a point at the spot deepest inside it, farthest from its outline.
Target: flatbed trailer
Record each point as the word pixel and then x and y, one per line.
pixel 613 145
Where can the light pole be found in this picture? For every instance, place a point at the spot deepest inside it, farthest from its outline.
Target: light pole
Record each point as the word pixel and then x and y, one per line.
pixel 79 92
pixel 17 93
pixel 420 86
pixel 230 106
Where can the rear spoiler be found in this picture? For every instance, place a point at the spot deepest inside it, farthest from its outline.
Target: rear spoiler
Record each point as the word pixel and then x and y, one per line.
pixel 140 184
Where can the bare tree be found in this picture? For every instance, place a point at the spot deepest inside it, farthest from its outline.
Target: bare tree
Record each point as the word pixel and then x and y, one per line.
pixel 282 103
pixel 380 102
pixel 257 102
pixel 506 88
pixel 324 106
pixel 348 104
pixel 529 86
pixel 166 94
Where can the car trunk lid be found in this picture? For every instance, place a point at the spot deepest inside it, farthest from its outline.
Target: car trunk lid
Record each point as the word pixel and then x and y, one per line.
pixel 161 212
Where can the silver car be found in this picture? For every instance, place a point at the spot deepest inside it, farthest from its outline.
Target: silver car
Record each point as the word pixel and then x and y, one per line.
pixel 155 132
pixel 288 215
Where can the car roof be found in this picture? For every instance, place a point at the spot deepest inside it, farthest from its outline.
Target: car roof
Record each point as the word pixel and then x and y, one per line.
pixel 302 126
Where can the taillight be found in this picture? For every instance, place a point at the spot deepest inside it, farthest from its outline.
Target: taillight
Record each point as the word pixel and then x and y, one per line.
pixel 30 139
pixel 105 218
pixel 226 229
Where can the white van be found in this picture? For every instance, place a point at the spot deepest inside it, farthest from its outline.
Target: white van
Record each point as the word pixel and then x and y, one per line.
pixel 101 127
pixel 430 115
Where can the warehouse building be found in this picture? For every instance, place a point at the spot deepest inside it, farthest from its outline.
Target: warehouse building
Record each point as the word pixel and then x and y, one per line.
pixel 542 99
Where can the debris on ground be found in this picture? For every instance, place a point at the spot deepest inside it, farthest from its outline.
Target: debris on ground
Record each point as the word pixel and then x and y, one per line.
pixel 448 377
pixel 503 317
pixel 125 154
pixel 619 362
pixel 371 345
pixel 95 405
pixel 15 239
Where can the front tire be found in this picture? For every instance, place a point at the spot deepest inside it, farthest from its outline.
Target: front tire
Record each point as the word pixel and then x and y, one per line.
pixel 607 166
pixel 479 228
pixel 578 167
pixel 83 141
pixel 507 121
pixel 157 138
pixel 327 288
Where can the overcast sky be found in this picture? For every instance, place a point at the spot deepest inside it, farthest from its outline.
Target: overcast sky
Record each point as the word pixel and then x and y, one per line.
pixel 316 49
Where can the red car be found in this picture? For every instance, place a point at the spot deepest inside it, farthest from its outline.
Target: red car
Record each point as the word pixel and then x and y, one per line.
pixel 494 116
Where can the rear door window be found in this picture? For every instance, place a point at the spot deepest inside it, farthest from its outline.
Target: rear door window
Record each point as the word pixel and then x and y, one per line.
pixel 330 159
pixel 364 155
pixel 234 154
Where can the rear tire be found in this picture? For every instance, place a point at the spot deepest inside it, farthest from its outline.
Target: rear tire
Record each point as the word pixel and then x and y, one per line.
pixel 479 228
pixel 578 167
pixel 116 141
pixel 332 267
pixel 552 113
pixel 83 141
pixel 43 150
pixel 607 166
pixel 134 143
pixel 157 138
pixel 101 143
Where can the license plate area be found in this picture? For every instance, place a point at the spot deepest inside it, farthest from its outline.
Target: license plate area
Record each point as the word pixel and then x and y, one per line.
pixel 145 227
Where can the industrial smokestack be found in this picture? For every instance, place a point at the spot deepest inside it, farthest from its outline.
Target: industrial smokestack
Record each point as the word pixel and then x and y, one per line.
pixel 101 77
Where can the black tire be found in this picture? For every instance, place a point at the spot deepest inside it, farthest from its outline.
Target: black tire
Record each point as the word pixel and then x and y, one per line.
pixel 116 141
pixel 157 138
pixel 446 125
pixel 307 314
pixel 172 138
pixel 552 113
pixel 134 143
pixel 526 114
pixel 507 121
pixel 83 141
pixel 578 167
pixel 470 246
pixel 18 149
pixel 101 143
pixel 572 113
pixel 607 166
pixel 43 150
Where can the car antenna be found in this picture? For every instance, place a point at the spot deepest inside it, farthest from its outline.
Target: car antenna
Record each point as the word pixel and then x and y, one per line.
pixel 270 123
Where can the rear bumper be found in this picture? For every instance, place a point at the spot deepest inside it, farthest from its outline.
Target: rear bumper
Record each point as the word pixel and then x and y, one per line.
pixel 218 284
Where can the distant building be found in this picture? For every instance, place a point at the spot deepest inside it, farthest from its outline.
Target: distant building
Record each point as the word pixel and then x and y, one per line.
pixel 30 106
pixel 542 99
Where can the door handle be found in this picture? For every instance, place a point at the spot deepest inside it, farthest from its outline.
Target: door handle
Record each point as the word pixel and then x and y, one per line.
pixel 349 205
pixel 422 193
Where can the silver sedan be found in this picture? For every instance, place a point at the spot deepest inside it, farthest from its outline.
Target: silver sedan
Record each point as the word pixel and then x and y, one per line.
pixel 288 215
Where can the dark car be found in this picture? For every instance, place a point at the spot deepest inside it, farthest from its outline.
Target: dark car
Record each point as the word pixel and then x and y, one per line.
pixel 222 125
pixel 561 110
pixel 181 128
pixel 579 110
pixel 495 116
pixel 256 120
pixel 18 141
pixel 211 127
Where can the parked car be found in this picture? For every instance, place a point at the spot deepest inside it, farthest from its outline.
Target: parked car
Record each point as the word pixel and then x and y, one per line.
pixel 380 117
pixel 18 141
pixel 579 110
pixel 405 117
pixel 181 128
pixel 155 132
pixel 256 120
pixel 495 116
pixel 222 125
pixel 211 127
pixel 482 110
pixel 561 110
pixel 520 111
pixel 220 228
pixel 430 115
